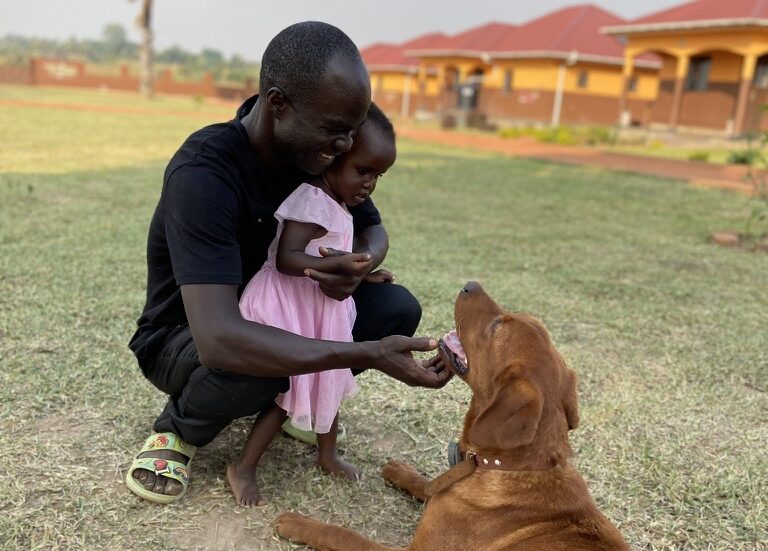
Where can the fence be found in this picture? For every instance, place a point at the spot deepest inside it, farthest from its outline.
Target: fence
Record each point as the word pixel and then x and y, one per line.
pixel 57 72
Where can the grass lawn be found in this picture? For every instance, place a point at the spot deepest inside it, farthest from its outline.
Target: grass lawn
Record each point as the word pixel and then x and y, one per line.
pixel 714 154
pixel 668 333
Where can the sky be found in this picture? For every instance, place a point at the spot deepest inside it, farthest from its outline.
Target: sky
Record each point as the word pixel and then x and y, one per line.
pixel 245 26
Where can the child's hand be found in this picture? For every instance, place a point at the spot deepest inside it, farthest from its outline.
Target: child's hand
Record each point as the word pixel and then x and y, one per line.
pixel 354 264
pixel 380 276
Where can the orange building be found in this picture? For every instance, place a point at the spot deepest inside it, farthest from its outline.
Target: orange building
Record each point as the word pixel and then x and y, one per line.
pixel 555 69
pixel 398 84
pixel 714 70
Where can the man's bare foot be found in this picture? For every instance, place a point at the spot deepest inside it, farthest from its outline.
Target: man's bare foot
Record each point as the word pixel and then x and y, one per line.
pixel 242 481
pixel 160 484
pixel 333 465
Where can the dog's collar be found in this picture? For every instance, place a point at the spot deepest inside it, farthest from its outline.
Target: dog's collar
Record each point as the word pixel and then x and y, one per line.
pixel 469 461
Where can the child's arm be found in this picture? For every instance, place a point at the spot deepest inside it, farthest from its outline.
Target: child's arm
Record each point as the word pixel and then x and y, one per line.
pixel 293 261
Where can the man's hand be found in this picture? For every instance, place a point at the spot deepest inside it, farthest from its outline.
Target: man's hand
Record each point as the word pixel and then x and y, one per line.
pixel 397 361
pixel 340 286
pixel 380 276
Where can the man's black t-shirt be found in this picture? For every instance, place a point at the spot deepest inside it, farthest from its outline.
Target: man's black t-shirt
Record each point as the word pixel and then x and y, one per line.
pixel 213 224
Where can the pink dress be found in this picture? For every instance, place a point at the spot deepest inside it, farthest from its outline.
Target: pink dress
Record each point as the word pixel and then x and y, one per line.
pixel 296 304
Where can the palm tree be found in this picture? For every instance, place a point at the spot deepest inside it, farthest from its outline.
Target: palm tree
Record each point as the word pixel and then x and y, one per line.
pixel 146 76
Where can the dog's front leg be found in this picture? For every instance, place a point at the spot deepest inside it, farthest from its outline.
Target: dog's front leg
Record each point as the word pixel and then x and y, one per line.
pixel 403 476
pixel 324 537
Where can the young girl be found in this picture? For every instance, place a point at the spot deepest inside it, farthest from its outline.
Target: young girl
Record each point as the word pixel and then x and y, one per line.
pixel 315 215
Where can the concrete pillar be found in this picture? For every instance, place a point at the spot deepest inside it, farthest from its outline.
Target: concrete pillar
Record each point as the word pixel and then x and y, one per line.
pixel 557 104
pixel 405 105
pixel 421 86
pixel 626 76
pixel 681 72
pixel 747 75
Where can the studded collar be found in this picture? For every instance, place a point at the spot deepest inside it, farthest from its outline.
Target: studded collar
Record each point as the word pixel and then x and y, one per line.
pixel 470 461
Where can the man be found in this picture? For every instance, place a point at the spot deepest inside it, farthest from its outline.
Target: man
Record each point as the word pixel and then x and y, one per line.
pixel 210 234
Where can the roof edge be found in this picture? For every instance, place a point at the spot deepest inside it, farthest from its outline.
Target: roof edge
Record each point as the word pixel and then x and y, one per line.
pixel 399 68
pixel 685 25
pixel 577 56
pixel 487 57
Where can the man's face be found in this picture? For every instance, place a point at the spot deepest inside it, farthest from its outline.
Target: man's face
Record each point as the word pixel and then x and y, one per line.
pixel 311 135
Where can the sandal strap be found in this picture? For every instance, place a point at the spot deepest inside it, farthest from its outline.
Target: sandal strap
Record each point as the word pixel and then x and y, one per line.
pixel 162 467
pixel 168 441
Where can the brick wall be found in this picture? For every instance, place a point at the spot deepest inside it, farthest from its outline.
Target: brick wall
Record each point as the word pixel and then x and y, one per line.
pixel 56 72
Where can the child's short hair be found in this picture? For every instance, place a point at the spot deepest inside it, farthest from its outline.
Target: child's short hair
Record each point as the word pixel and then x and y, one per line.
pixel 376 116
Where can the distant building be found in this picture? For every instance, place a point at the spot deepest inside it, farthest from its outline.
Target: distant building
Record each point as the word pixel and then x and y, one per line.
pixel 714 63
pixel 558 68
pixel 398 84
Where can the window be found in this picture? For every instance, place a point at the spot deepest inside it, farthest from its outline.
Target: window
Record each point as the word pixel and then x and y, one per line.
pixel 698 74
pixel 583 79
pixel 632 84
pixel 761 73
pixel 508 79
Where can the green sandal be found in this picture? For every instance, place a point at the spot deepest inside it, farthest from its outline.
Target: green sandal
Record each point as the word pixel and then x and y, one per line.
pixel 309 437
pixel 161 467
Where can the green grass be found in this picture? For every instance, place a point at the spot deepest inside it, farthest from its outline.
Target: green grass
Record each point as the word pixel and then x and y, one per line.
pixel 716 155
pixel 667 332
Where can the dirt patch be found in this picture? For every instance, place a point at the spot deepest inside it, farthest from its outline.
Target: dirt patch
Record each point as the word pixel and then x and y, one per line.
pixel 738 240
pixel 222 528
pixel 695 173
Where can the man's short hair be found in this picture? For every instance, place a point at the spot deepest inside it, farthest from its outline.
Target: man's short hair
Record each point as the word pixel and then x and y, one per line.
pixel 296 59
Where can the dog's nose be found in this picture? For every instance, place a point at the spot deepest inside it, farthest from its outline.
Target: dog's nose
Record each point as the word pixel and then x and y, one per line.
pixel 471 286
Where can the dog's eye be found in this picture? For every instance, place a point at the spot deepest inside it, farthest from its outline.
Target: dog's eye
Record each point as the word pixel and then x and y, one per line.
pixel 495 325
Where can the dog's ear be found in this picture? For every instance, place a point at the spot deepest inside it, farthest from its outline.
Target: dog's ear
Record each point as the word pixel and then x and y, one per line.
pixel 570 400
pixel 511 416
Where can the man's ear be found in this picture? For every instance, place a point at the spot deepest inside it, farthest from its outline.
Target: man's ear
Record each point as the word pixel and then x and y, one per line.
pixel 570 400
pixel 277 101
pixel 511 416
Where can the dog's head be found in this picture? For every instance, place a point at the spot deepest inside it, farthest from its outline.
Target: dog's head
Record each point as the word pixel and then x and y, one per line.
pixel 523 395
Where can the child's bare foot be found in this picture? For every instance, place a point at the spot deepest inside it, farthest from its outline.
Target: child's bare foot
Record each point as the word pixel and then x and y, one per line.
pixel 333 465
pixel 242 481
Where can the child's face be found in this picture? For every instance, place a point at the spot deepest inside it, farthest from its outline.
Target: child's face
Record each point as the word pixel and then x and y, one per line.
pixel 353 176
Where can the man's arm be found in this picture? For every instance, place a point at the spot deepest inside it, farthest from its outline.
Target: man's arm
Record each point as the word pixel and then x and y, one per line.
pixel 226 341
pixel 373 241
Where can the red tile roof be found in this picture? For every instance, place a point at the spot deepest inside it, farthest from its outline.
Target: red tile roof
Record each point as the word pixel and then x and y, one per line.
pixel 575 28
pixel 392 56
pixel 709 9
pixel 699 14
pixel 478 39
pixel 424 40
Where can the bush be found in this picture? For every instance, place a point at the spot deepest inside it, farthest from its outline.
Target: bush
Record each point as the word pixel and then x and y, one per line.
pixel 600 135
pixel 742 156
pixel 559 134
pixel 563 135
pixel 698 156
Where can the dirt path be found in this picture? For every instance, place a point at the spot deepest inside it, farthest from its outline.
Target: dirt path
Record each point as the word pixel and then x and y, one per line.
pixel 731 177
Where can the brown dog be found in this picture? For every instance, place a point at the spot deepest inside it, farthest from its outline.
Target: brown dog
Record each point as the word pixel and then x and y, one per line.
pixel 514 489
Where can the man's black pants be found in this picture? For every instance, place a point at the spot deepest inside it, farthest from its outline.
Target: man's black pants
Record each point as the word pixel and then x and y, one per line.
pixel 203 401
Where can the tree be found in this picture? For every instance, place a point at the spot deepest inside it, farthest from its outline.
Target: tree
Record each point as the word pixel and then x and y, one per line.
pixel 146 76
pixel 115 40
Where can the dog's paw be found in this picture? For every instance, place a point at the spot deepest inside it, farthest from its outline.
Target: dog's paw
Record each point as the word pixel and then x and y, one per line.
pixel 395 466
pixel 291 525
pixel 396 471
